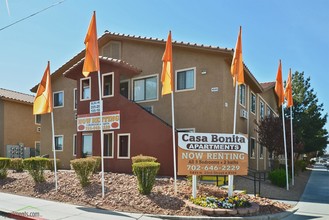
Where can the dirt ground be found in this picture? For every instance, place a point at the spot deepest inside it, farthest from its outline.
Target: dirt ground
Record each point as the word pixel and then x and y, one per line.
pixel 122 193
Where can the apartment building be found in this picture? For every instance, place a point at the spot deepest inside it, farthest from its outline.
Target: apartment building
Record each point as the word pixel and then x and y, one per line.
pixel 18 126
pixel 131 90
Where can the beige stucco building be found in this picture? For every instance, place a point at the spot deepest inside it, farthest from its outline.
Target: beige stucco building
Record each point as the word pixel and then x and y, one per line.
pixel 17 123
pixel 204 93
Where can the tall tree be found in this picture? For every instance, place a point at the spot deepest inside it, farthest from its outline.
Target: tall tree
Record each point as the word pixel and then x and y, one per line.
pixel 308 117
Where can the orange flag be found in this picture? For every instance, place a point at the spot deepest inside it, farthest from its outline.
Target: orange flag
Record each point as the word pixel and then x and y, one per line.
pixel 237 62
pixel 279 86
pixel 288 91
pixel 43 102
pixel 91 63
pixel 167 68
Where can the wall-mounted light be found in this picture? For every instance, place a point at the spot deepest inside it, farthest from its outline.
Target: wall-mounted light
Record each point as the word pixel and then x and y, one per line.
pixel 203 72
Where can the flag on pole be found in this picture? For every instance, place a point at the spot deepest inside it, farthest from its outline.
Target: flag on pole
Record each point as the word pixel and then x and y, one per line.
pixel 43 102
pixel 91 63
pixel 167 68
pixel 237 62
pixel 279 86
pixel 288 91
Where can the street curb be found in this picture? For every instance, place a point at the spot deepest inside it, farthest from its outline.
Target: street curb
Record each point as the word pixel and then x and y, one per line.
pixel 276 216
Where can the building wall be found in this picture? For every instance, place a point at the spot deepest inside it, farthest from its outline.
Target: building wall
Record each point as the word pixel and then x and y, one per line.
pixel 2 131
pixel 19 124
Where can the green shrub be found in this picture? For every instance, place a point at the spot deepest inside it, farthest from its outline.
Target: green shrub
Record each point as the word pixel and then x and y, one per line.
pixel 278 177
pixel 16 164
pixel 98 163
pixel 51 166
pixel 4 164
pixel 142 158
pixel 83 167
pixel 300 166
pixel 145 172
pixel 36 166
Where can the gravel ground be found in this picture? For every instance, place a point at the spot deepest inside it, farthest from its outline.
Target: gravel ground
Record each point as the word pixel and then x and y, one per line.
pixel 122 194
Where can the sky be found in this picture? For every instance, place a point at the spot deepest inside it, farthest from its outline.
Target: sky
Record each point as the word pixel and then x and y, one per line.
pixel 295 31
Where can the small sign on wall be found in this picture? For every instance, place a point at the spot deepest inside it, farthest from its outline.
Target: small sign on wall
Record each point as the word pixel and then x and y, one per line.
pixel 214 89
pixel 94 106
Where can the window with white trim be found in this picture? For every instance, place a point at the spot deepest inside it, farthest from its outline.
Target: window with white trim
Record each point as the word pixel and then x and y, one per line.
pixel 252 148
pixel 185 79
pixel 58 98
pixel 37 148
pixel 261 110
pixel 242 94
pixel 124 146
pixel 75 98
pixel 37 119
pixel 253 103
pixel 85 88
pixel 146 89
pixel 108 144
pixel 59 140
pixel 74 144
pixel 87 144
pixel 108 84
pixel 261 151
pixel 112 50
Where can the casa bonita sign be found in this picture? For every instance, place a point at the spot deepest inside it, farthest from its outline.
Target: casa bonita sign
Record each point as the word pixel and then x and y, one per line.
pixel 212 154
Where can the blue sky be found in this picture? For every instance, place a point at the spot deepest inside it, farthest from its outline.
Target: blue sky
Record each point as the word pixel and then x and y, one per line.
pixel 295 31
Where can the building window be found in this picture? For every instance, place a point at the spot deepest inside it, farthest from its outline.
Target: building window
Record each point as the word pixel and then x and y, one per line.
pixel 112 50
pixel 74 145
pixel 261 152
pixel 185 79
pixel 242 94
pixel 59 142
pixel 108 144
pixel 75 97
pixel 37 148
pixel 253 103
pixel 85 88
pixel 58 99
pixel 87 145
pixel 269 111
pixel 124 88
pixel 261 110
pixel 146 89
pixel 124 146
pixel 38 119
pixel 252 147
pixel 108 84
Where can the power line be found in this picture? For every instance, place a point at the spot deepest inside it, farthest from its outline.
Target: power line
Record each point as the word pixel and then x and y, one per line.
pixel 53 5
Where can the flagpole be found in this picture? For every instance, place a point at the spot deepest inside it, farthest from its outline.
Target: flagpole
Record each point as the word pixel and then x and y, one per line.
pixel 173 139
pixel 285 146
pixel 231 177
pixel 54 150
pixel 101 130
pixel 292 150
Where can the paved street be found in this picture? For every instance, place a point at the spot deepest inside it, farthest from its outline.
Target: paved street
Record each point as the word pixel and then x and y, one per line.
pixel 314 203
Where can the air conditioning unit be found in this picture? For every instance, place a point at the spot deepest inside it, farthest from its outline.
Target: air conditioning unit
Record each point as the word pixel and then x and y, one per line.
pixel 244 114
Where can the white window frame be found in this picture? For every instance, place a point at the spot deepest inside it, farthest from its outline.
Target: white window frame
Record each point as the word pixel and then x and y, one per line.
pixel 244 96
pixel 92 137
pixel 145 77
pixel 75 98
pixel 261 149
pixel 81 89
pixel 74 144
pixel 57 92
pixel 62 140
pixel 35 147
pixel 252 156
pixel 118 146
pixel 261 103
pixel 109 132
pixel 112 86
pixel 194 79
pixel 35 119
pixel 251 102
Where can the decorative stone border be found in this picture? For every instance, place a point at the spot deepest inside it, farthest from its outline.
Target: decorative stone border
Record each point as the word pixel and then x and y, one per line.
pixel 218 212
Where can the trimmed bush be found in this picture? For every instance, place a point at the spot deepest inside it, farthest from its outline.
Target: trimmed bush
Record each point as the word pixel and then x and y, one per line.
pixel 51 166
pixel 16 164
pixel 142 158
pixel 98 163
pixel 84 167
pixel 4 164
pixel 145 172
pixel 36 166
pixel 278 177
